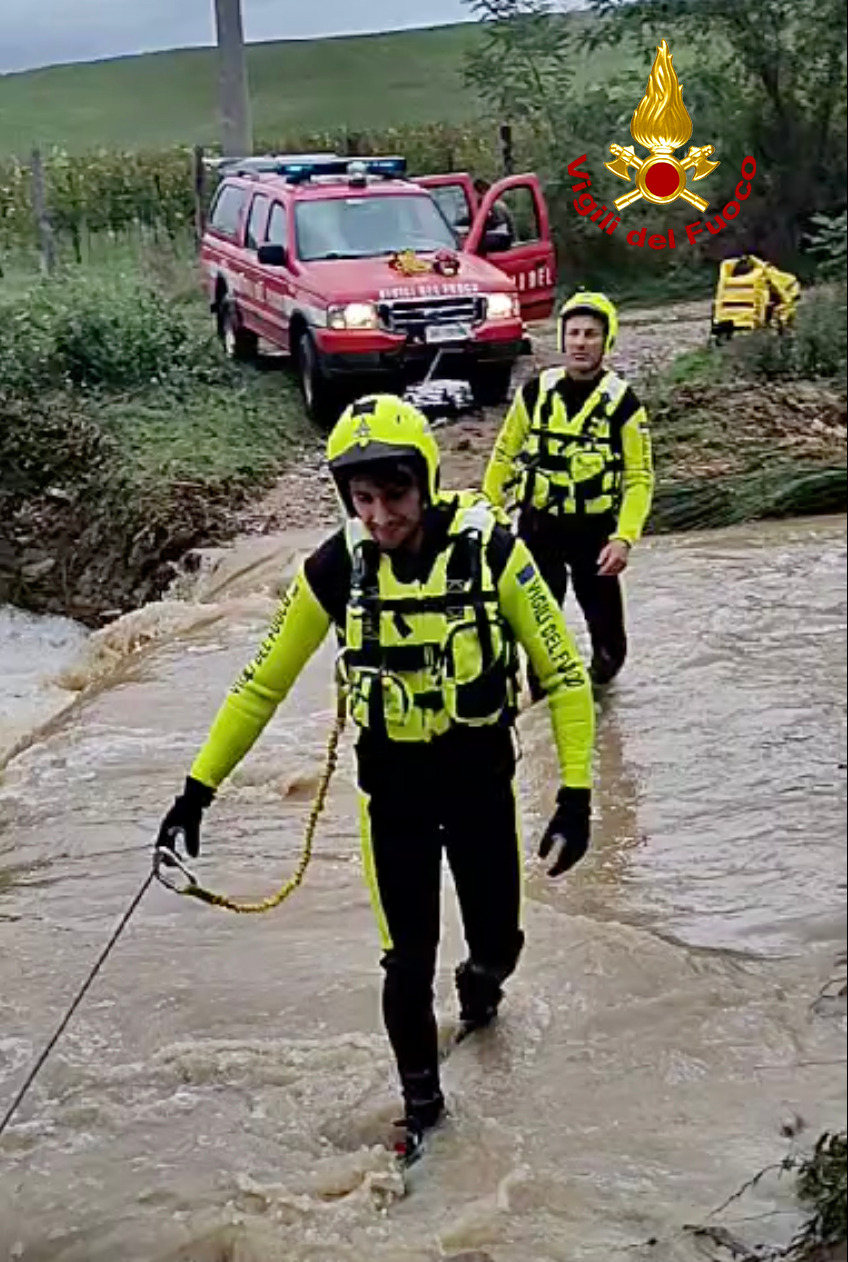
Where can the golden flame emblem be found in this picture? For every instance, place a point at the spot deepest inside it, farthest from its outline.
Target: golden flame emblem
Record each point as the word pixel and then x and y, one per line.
pixel 662 124
pixel 408 263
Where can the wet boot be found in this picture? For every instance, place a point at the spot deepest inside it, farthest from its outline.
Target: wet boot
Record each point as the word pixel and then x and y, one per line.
pixel 480 994
pixel 424 1106
pixel 604 668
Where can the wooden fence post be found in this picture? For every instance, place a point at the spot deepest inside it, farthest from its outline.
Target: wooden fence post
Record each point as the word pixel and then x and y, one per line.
pixel 507 157
pixel 199 185
pixel 46 240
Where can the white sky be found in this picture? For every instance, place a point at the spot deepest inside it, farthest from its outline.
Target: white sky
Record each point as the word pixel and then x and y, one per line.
pixel 49 31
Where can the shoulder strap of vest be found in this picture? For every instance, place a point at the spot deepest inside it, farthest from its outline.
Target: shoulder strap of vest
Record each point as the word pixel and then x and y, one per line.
pixel 473 528
pixel 355 533
pixel 549 379
pixel 364 558
pixel 476 518
pixel 612 389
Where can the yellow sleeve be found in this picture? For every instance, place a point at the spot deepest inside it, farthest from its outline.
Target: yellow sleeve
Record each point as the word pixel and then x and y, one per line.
pixel 298 628
pixel 537 623
pixel 510 441
pixel 637 482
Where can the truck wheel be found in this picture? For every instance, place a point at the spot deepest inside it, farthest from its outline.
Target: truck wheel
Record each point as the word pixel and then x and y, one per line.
pixel 321 400
pixel 239 343
pixel 491 384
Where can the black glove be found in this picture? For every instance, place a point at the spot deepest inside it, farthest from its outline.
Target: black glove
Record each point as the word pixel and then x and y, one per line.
pixel 568 829
pixel 184 817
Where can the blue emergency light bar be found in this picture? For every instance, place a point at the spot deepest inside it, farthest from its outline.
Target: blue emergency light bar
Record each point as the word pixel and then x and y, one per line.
pixel 334 164
pixel 298 168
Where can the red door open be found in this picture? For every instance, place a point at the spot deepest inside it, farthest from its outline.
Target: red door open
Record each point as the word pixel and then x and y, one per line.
pixel 511 230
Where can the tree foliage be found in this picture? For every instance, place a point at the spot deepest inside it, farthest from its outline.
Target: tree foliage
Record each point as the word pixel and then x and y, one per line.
pixel 522 66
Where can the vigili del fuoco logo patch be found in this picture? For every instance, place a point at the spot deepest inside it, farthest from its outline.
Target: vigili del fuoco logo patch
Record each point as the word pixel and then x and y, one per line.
pixel 660 124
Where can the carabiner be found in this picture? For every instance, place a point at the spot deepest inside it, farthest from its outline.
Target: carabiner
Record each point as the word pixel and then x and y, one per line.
pixel 165 857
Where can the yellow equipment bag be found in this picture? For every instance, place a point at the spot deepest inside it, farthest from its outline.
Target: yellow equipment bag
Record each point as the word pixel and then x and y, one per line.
pixel 752 294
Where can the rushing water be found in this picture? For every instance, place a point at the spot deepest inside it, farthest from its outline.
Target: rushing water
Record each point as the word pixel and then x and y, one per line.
pixel 223 1091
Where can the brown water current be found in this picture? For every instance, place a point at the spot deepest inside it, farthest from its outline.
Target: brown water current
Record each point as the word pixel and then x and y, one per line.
pixel 224 1091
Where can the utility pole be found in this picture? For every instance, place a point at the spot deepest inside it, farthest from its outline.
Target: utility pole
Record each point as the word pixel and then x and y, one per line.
pixel 236 129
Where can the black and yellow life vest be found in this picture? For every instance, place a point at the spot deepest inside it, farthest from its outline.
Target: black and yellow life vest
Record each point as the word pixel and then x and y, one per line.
pixel 573 464
pixel 417 658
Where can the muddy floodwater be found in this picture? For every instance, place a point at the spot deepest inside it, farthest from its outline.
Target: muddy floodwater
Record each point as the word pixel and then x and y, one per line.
pixel 224 1091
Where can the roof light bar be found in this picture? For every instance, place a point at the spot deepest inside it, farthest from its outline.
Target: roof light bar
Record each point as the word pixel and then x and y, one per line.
pixel 297 167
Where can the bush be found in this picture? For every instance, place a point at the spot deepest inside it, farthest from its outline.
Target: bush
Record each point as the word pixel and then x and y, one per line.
pixel 813 347
pixel 116 333
pixel 829 243
pixel 46 445
pixel 822 1187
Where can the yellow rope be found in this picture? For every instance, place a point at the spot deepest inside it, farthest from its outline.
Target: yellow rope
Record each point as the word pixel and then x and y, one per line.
pixel 274 900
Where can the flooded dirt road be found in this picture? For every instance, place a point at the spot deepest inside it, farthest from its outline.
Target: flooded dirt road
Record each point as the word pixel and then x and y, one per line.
pixel 223 1091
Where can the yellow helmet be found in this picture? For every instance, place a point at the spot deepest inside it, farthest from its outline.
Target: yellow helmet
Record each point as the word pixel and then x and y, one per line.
pixel 597 305
pixel 382 427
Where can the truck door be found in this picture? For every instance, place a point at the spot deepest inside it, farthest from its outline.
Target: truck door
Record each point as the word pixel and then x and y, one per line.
pixel 511 230
pixel 279 281
pixel 252 289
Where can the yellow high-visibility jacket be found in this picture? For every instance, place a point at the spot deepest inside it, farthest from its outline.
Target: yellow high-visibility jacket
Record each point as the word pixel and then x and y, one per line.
pixel 569 448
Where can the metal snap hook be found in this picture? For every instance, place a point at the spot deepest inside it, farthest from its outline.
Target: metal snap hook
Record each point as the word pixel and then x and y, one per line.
pixel 180 878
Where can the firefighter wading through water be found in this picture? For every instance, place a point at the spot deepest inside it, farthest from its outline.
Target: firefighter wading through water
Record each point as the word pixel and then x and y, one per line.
pixel 429 594
pixel 574 455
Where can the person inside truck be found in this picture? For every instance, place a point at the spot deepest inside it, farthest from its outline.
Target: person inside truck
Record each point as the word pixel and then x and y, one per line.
pixel 499 221
pixel 429 593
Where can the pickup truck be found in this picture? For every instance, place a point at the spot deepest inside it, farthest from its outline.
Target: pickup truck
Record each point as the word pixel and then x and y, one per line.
pixel 362 276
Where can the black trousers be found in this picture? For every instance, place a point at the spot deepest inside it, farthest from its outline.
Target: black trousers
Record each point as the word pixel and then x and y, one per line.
pixel 453 794
pixel 566 548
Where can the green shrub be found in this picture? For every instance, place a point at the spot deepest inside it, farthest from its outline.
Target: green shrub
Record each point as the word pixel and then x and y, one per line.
pixel 820 336
pixel 115 334
pixel 822 1187
pixel 813 347
pixel 829 243
pixel 47 444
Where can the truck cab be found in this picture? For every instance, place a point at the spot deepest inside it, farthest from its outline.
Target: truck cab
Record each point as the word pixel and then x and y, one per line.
pixel 362 276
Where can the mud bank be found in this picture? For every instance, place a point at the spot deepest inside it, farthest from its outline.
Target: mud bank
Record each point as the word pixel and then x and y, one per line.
pixel 95 544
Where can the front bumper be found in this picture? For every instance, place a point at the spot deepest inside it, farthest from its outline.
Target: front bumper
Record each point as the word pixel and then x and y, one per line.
pixel 346 355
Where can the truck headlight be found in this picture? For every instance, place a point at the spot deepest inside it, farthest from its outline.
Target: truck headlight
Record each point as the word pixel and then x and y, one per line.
pixel 354 315
pixel 501 306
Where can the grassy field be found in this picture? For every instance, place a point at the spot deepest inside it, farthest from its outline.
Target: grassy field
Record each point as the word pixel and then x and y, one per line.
pixel 168 98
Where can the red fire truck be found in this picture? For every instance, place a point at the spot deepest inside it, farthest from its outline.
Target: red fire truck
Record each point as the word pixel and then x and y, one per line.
pixel 362 275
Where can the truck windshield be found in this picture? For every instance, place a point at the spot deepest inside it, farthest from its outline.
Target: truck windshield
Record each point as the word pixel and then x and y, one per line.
pixel 365 227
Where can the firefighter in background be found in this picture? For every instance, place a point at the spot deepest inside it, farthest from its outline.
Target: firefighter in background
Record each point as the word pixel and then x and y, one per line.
pixel 499 221
pixel 430 594
pixel 574 456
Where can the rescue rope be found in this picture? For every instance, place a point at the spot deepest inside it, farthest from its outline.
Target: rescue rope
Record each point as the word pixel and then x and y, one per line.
pixel 101 960
pixel 164 859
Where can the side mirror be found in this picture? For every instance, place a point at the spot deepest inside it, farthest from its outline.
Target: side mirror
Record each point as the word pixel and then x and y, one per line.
pixel 273 255
pixel 495 241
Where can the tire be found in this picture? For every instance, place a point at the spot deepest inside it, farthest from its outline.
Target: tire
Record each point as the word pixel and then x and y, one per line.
pixel 321 399
pixel 239 343
pixel 491 384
